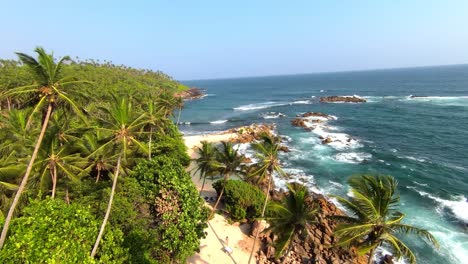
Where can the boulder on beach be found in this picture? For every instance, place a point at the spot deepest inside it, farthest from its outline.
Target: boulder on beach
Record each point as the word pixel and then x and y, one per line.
pixel 342 99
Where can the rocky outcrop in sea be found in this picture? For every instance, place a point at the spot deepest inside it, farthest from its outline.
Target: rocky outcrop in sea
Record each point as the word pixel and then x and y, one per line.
pixel 342 99
pixel 190 94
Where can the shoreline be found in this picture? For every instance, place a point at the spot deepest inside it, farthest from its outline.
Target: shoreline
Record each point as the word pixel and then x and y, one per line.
pixel 317 247
pixel 211 247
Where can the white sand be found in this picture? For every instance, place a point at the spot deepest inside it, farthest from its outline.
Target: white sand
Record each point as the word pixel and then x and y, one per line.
pixel 211 247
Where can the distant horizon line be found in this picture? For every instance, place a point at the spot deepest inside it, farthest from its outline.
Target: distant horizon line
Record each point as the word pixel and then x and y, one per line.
pixel 325 72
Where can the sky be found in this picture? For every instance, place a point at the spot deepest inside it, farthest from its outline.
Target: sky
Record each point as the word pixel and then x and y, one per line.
pixel 223 39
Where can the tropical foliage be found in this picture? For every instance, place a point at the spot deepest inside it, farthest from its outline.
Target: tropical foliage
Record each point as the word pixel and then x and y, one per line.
pixel 84 143
pixel 374 219
pixel 291 217
pixel 242 200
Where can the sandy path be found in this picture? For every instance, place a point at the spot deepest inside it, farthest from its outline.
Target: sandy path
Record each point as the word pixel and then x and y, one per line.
pixel 211 247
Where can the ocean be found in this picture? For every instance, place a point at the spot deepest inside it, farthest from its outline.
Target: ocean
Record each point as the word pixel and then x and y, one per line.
pixel 421 141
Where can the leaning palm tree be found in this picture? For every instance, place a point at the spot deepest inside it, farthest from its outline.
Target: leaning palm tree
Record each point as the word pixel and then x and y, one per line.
pixel 230 161
pixel 49 90
pixel 124 126
pixel 267 153
pixel 291 217
pixel 374 219
pixel 207 164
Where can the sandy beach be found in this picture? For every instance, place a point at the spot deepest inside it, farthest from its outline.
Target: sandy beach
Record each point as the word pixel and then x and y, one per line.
pixel 212 247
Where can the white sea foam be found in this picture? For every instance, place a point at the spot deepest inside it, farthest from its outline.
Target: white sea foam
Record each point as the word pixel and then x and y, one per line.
pixel 265 105
pixel 302 102
pixel 420 184
pixel 340 141
pixel 272 115
pixel 257 106
pixel 458 207
pixel 353 157
pixel 382 251
pixel 441 100
pixel 295 175
pixel 218 122
pixel 413 158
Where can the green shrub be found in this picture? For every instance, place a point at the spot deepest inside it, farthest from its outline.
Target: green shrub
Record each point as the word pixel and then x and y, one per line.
pixel 176 209
pixel 171 145
pixel 243 200
pixel 50 231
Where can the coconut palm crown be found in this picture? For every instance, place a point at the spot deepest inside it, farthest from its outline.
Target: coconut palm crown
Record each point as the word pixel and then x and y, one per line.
pixel 373 219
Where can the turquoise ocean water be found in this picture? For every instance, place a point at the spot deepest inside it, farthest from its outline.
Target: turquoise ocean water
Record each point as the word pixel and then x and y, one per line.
pixel 423 141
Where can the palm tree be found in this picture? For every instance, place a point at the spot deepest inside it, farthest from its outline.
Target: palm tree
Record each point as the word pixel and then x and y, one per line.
pixel 292 217
pixel 374 219
pixel 207 164
pixel 100 160
pixel 267 153
pixel 154 119
pixel 166 103
pixel 230 161
pixel 49 89
pixel 124 126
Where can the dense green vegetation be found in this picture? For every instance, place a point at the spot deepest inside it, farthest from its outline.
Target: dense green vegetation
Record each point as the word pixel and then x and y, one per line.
pixel 89 156
pixel 242 200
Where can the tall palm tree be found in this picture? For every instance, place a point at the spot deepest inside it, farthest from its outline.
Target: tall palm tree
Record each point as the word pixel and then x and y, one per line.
pixel 267 153
pixel 230 161
pixel 50 89
pixel 291 217
pixel 374 219
pixel 207 164
pixel 124 126
pixel 155 119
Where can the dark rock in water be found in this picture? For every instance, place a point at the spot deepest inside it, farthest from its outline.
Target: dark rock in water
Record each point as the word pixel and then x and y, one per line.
pixel 299 122
pixel 328 140
pixel 342 99
pixel 387 259
pixel 309 114
pixel 284 148
pixel 190 94
pixel 418 96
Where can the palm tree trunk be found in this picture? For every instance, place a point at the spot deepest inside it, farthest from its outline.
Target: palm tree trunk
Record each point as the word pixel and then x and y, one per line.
pixel 149 143
pixel 109 206
pixel 98 175
pixel 178 117
pixel 287 252
pixel 54 181
pixel 371 255
pixel 219 198
pixel 203 185
pixel 263 215
pixel 22 186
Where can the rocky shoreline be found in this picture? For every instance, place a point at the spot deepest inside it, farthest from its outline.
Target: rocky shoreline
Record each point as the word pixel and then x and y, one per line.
pixel 190 94
pixel 316 248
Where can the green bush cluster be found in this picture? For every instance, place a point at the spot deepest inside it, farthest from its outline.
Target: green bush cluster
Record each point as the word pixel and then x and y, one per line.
pixel 175 208
pixel 243 200
pixel 50 231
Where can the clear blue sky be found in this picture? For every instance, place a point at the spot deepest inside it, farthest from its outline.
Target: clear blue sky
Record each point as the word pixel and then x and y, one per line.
pixel 214 39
